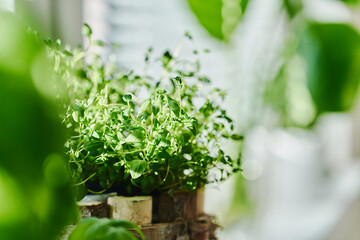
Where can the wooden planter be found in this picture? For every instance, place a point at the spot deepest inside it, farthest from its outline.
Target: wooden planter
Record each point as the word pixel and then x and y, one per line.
pixel 95 206
pixel 135 209
pixel 184 206
pixel 177 217
pixel 93 209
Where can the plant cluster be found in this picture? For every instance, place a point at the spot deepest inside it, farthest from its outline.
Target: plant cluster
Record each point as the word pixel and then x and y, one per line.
pixel 168 140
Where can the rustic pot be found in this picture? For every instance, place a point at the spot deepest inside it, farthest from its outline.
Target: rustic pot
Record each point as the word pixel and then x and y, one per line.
pixel 135 209
pixel 183 206
pixel 93 209
pixel 94 205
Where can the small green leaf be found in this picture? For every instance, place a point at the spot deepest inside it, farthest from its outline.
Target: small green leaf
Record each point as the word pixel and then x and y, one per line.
pixel 204 79
pixel 136 136
pixel 293 7
pixel 148 184
pixel 191 126
pixel 137 168
pixel 155 110
pixel 143 107
pixel 67 53
pixel 237 137
pixel 167 57
pixel 127 97
pixel 188 35
pixel 164 142
pixel 75 116
pixel 161 91
pixel 95 135
pixel 86 30
pixel 98 43
pixel 119 135
pixel 174 106
pixel 48 42
pixel 93 145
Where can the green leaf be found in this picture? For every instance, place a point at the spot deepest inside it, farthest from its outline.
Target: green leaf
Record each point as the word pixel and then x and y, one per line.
pixel 166 58
pixel 160 91
pixel 75 116
pixel 86 30
pixel 352 2
pixel 237 137
pixel 243 5
pixel 92 145
pixel 48 42
pixel 136 136
pixel 293 7
pixel 188 35
pixel 36 198
pixel 137 168
pixel 105 229
pixel 174 106
pixel 95 134
pixel 79 191
pixel 67 53
pixel 143 107
pixel 155 110
pixel 148 184
pixel 119 136
pixel 219 17
pixel 204 79
pixel 191 126
pixel 332 55
pixel 98 43
pixel 127 97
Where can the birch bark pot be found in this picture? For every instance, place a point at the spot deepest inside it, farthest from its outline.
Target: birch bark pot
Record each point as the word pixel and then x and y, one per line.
pixel 135 209
pixel 182 205
pixel 93 209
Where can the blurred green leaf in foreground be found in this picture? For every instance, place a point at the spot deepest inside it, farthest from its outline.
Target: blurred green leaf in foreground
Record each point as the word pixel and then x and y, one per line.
pixel 332 54
pixel 105 229
pixel 35 194
pixel 219 17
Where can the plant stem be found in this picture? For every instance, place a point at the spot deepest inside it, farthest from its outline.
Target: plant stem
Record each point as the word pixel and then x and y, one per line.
pixel 77 184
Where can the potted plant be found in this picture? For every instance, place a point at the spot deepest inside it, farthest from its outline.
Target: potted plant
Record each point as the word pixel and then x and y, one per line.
pixel 139 135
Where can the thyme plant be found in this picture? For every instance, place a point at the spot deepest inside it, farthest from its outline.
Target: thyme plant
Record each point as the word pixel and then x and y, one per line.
pixel 164 142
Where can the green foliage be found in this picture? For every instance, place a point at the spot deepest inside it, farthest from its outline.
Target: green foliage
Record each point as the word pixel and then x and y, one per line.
pixel 332 54
pixel 163 142
pixel 35 193
pixel 293 7
pixel 287 94
pixel 105 229
pixel 219 17
pixel 354 2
